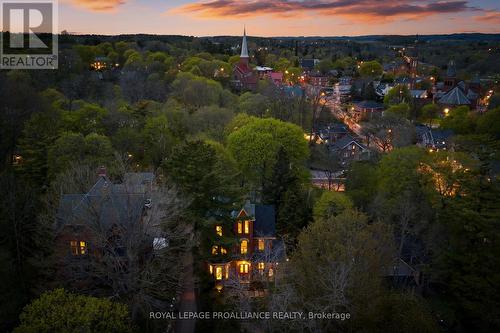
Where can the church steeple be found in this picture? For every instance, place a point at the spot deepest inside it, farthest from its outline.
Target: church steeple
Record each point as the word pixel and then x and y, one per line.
pixel 244 48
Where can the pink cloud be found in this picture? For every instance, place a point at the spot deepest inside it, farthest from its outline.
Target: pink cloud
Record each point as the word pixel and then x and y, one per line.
pixel 366 10
pixel 98 5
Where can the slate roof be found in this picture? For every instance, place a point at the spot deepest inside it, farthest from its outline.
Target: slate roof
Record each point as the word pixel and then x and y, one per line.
pixel 455 96
pixel 104 205
pixel 265 221
pixel 307 63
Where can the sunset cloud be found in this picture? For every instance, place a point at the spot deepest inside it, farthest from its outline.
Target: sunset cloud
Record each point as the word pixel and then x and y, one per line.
pixel 98 5
pixel 362 9
pixel 490 16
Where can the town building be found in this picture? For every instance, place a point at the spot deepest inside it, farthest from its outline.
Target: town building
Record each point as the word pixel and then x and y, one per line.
pixel 256 252
pixel 243 76
pixel 365 110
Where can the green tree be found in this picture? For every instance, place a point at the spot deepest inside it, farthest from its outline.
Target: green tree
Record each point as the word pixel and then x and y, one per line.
pixel 331 204
pixel 429 113
pixel 371 69
pixel 460 120
pixel 402 110
pixel 398 94
pixel 59 311
pixel 489 123
pixel 255 146
pixel 158 139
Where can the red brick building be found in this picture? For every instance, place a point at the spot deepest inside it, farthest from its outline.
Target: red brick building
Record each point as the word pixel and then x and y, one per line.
pixel 256 252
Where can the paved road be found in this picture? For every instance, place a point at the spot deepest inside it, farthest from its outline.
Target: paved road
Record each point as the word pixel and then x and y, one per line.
pixel 188 298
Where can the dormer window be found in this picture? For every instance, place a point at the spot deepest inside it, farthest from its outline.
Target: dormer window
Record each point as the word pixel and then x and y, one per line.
pixel 247 227
pixel 240 228
pixel 218 230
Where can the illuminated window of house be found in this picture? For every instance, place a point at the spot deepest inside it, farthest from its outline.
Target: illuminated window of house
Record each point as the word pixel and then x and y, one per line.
pixel 211 269
pixel 271 272
pixel 223 250
pixel 244 268
pixel 74 248
pixel 244 246
pixel 218 273
pixel 261 244
pixel 227 272
pixel 240 228
pixel 83 247
pixel 261 266
pixel 247 228
pixel 215 250
pixel 218 230
pixel 78 247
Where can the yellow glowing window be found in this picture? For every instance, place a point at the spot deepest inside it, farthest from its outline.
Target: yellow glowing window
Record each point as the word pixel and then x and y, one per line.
pixel 244 246
pixel 244 268
pixel 261 266
pixel 240 229
pixel 215 250
pixel 78 247
pixel 223 250
pixel 211 269
pixel 218 230
pixel 261 244
pixel 271 272
pixel 247 228
pixel 227 272
pixel 218 273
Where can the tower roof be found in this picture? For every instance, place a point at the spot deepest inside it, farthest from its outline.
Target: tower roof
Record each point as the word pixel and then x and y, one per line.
pixel 451 71
pixel 244 48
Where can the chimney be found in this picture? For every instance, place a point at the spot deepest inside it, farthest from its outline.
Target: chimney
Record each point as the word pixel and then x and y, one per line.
pixel 101 172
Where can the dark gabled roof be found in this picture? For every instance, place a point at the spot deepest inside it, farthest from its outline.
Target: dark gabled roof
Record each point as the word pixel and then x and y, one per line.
pixel 441 134
pixel 105 204
pixel 345 141
pixel 265 221
pixel 369 105
pixel 455 96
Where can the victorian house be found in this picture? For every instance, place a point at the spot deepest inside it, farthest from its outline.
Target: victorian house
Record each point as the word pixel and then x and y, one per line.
pixel 255 251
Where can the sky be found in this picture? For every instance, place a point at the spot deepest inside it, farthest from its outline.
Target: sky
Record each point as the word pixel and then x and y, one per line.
pixel 279 17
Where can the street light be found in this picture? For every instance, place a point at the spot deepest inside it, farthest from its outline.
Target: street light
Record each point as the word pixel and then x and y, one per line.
pixel 446 111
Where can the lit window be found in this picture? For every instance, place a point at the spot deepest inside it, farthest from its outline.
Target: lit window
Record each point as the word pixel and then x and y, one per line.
pixel 240 229
pixel 218 230
pixel 74 248
pixel 78 247
pixel 247 228
pixel 227 272
pixel 218 273
pixel 211 269
pixel 244 246
pixel 261 266
pixel 215 250
pixel 261 244
pixel 244 268
pixel 223 250
pixel 271 272
pixel 83 247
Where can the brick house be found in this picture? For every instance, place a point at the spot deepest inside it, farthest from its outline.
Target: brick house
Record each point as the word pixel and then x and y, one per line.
pixel 256 252
pixel 91 224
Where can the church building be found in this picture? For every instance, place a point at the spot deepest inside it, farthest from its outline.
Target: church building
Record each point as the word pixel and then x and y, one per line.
pixel 243 76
